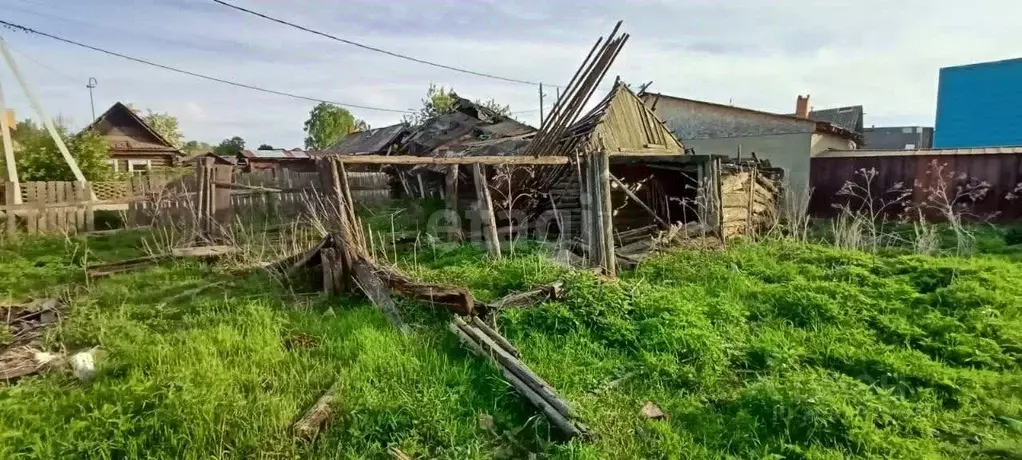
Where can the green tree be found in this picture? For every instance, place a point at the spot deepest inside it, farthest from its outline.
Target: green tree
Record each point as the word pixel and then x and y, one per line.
pixel 163 123
pixel 193 147
pixel 327 124
pixel 230 147
pixel 39 159
pixel 440 100
pixel 265 147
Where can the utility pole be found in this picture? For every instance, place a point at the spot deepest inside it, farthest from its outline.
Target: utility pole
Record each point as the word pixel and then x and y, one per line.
pixel 47 122
pixel 541 104
pixel 92 85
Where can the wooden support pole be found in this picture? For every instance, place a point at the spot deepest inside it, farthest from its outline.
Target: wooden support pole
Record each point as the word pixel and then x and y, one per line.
pixel 45 119
pixel 635 198
pixel 451 194
pixel 460 160
pixel 10 217
pixel 609 262
pixel 11 166
pixel 486 211
pixel 749 229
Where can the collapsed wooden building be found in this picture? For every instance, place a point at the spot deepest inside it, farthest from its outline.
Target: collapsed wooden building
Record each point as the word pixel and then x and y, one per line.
pixel 595 178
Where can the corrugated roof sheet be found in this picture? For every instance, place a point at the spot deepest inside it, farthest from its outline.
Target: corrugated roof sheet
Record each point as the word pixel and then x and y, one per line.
pixel 849 118
pixel 921 152
pixel 374 141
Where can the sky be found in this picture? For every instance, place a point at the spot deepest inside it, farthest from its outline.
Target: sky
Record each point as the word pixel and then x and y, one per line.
pixel 757 54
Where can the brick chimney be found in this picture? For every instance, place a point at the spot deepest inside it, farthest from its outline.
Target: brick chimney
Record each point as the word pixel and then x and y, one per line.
pixel 802 106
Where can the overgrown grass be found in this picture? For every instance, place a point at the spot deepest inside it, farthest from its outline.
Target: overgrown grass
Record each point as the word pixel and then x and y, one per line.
pixel 769 350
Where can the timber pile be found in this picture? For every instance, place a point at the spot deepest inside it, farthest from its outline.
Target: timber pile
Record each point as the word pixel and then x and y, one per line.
pixel 487 343
pixel 26 325
pixel 750 193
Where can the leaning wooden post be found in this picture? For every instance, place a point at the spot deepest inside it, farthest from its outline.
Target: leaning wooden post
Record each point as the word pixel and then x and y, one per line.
pixel 486 211
pixel 357 238
pixel 609 259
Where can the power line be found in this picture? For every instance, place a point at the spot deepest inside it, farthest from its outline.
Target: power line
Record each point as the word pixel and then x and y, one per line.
pixel 193 74
pixel 378 50
pixel 48 67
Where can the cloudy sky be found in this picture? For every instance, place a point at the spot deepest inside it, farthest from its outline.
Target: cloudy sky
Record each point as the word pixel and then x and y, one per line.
pixel 758 54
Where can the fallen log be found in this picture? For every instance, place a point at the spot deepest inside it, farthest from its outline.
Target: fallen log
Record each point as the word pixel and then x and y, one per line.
pixel 206 253
pixel 454 298
pixel 526 298
pixel 309 425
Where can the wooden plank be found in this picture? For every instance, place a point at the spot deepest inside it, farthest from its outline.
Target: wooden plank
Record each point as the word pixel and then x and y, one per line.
pixel 308 426
pixel 464 160
pixel 485 206
pixel 375 288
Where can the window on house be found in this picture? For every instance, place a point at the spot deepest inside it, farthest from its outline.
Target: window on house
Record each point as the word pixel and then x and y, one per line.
pixel 910 146
pixel 113 164
pixel 139 166
pixel 907 130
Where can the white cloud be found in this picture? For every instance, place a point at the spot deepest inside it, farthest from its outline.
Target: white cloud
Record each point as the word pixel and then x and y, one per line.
pixel 884 55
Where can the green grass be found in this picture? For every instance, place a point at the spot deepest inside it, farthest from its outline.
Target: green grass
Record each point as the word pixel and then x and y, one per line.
pixel 770 350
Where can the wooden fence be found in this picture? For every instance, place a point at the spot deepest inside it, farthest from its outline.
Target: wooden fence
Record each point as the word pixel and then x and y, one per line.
pixel 70 207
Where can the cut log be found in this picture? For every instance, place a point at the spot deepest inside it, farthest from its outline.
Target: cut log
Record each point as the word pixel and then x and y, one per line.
pixel 309 425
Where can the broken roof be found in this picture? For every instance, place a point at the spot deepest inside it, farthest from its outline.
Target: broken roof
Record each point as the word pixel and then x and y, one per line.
pixel 469 122
pixel 373 141
pixel 849 118
pixel 133 133
pixel 621 122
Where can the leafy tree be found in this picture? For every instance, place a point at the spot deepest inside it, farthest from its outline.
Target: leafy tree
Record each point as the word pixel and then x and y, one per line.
pixel 230 147
pixel 39 159
pixel 327 124
pixel 193 147
pixel 440 100
pixel 163 123
pixel 265 147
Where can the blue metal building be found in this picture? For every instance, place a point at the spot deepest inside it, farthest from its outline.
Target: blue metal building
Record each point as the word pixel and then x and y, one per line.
pixel 980 105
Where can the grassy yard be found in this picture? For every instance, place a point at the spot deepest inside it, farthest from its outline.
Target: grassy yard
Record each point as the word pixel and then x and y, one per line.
pixel 767 350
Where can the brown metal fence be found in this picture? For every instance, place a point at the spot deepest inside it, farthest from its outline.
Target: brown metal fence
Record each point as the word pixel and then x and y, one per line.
pixel 919 171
